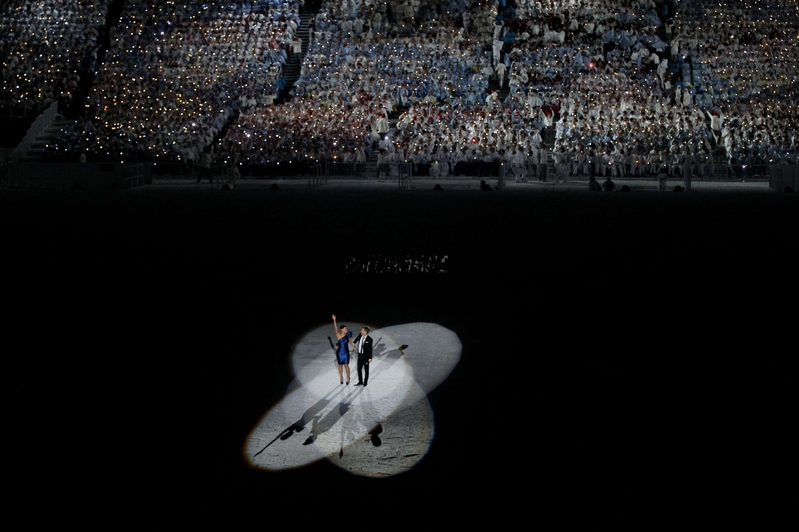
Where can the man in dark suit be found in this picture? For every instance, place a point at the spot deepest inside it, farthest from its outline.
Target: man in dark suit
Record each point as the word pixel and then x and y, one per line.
pixel 364 348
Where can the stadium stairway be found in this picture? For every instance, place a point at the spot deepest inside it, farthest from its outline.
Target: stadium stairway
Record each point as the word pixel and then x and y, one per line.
pixel 504 90
pixel 40 148
pixel 370 166
pixel 293 67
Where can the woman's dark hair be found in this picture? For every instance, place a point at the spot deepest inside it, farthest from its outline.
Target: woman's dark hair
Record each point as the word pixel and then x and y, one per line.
pixel 341 327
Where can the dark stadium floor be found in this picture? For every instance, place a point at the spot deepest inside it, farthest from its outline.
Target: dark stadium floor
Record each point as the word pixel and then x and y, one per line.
pixel 625 356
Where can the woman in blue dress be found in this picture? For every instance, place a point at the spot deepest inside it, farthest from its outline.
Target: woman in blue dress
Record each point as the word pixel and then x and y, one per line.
pixel 344 338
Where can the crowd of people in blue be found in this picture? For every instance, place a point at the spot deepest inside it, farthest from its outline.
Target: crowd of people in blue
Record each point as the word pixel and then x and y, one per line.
pixel 624 87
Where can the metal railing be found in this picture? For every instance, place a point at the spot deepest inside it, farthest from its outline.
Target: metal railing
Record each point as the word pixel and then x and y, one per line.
pixel 523 172
pixel 783 177
pixel 316 176
pixel 65 176
pixel 335 170
pixel 221 175
pixel 746 171
pixel 402 172
pixel 126 175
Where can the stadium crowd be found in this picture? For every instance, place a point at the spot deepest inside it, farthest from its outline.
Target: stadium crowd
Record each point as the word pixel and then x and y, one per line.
pixel 623 87
pixel 742 61
pixel 175 75
pixel 45 45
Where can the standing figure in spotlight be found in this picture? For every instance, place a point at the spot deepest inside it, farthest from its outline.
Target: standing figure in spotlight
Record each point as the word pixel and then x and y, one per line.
pixel 344 338
pixel 364 348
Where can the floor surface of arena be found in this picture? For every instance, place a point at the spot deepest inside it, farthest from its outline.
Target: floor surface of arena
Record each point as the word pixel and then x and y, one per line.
pixel 543 352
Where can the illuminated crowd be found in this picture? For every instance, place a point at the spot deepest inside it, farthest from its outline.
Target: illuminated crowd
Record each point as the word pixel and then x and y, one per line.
pixel 45 45
pixel 566 66
pixel 350 83
pixel 744 58
pixel 175 75
pixel 627 86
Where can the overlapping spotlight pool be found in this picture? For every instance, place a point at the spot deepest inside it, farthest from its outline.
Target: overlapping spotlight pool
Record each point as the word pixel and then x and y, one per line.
pixel 378 430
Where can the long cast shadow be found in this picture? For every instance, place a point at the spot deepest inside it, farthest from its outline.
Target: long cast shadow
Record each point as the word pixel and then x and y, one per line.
pixel 320 426
pixel 310 414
